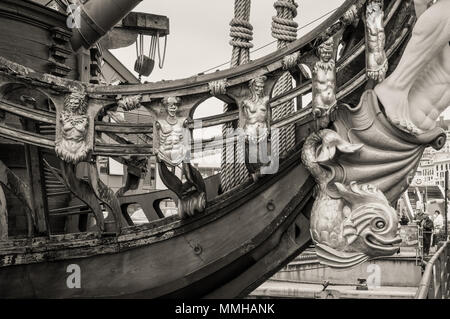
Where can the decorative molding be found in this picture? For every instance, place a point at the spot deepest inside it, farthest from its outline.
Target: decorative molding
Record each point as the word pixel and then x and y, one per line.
pixel 218 87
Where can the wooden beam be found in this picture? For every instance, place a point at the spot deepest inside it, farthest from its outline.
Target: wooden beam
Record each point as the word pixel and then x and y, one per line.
pixel 3 216
pixel 117 66
pixel 34 168
pixel 29 113
pixel 124 128
pixel 146 23
pixel 120 149
pixel 23 136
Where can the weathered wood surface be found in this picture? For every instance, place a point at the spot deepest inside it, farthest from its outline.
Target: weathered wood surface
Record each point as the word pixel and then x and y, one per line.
pixel 3 215
pixel 172 256
pixel 26 35
pixel 27 112
pixel 80 189
pixel 106 196
pixel 124 128
pixel 22 191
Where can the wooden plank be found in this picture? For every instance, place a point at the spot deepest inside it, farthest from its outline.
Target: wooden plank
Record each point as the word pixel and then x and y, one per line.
pixel 25 137
pixel 20 190
pixel 124 128
pixel 32 114
pixel 3 216
pixel 121 149
pixel 34 168
pixel 146 23
pixel 80 189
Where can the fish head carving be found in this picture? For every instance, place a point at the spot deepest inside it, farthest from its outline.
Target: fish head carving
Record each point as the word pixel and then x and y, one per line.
pixel 371 224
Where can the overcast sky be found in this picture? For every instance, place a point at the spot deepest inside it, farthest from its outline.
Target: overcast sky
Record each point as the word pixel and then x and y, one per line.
pixel 199 32
pixel 199 38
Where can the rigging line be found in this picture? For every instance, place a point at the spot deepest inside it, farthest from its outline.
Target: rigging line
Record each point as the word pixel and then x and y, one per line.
pixel 274 41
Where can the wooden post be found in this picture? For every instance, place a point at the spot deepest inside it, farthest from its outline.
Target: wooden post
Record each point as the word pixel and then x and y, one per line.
pixel 446 207
pixel 34 168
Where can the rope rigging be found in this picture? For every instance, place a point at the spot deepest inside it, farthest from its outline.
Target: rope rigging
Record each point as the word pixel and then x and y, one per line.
pixel 241 32
pixel 284 29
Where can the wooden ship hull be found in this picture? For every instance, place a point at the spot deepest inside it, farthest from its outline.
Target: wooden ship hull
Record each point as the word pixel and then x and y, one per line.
pixel 244 236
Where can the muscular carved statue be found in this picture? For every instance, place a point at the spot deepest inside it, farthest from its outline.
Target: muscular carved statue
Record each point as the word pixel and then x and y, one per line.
pixel 173 134
pixel 73 147
pixel 255 123
pixel 256 111
pixel 376 60
pixel 324 83
pixel 173 147
pixel 363 165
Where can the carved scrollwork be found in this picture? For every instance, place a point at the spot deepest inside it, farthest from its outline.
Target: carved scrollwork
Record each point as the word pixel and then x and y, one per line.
pixel 290 61
pixel 129 103
pixel 72 146
pixel 324 83
pixel 376 59
pixel 218 87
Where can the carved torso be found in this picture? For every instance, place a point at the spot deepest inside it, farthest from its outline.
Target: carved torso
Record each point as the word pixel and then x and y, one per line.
pixel 324 85
pixel 72 145
pixel 376 60
pixel 172 140
pixel 256 117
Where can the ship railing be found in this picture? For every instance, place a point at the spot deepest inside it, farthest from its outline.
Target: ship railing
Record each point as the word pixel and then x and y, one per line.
pixel 435 283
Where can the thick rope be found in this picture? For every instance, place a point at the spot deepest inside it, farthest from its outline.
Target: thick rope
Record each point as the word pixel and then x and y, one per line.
pixel 284 29
pixel 233 170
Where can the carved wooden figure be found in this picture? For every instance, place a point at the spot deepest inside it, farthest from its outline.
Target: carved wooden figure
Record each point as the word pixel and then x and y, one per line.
pixel 254 120
pixel 72 143
pixel 376 60
pixel 324 83
pixel 172 144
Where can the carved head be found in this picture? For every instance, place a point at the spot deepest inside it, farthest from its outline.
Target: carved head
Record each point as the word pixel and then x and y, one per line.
pixel 76 103
pixel 171 103
pixel 257 86
pixel 374 6
pixel 371 224
pixel 326 50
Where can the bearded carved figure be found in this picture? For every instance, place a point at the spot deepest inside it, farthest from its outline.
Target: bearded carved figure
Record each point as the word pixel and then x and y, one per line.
pixel 72 146
pixel 376 60
pixel 324 83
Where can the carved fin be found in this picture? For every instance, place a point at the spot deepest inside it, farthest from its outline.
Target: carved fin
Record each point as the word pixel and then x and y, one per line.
pixel 349 231
pixel 337 259
pixel 349 148
pixel 331 141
